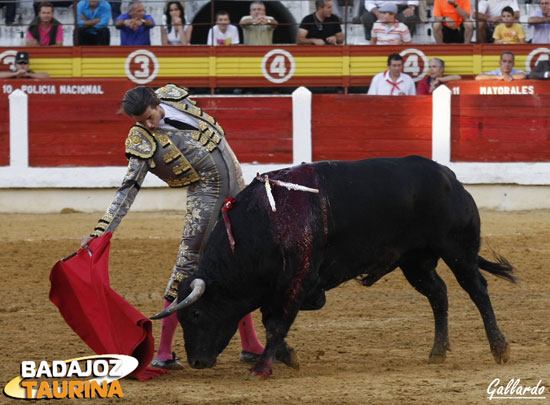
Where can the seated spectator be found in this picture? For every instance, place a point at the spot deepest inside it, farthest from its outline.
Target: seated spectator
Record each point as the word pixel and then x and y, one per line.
pixel 489 15
pixel 173 31
pixel 223 33
pixel 506 71
pixel 321 27
pixel 407 13
pixel 257 27
pixel 451 21
pixel 20 69
pixel 93 21
pixel 9 11
pixel 435 78
pixel 388 31
pixel 509 32
pixel 540 20
pixel 135 25
pixel 392 82
pixel 115 9
pixel 55 3
pixel 541 70
pixel 45 30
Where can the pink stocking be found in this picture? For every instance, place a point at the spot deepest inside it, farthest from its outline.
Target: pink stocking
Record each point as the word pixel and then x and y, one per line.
pixel 169 325
pixel 249 340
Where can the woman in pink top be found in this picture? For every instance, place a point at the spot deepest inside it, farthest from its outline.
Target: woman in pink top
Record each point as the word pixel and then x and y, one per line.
pixel 45 30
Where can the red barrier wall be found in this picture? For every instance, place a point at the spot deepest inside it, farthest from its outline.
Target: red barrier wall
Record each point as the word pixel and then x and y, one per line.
pixel 500 128
pixel 259 129
pixel 67 129
pixel 4 132
pixel 70 129
pixel 352 127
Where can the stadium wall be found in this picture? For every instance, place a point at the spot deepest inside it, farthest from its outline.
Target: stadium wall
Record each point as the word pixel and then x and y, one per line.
pixel 67 152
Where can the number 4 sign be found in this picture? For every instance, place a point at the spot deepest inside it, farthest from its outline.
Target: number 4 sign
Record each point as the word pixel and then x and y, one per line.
pixel 278 66
pixel 415 63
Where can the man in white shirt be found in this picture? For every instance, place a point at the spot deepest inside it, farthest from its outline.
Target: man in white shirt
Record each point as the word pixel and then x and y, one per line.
pixel 489 15
pixel 223 33
pixel 392 82
pixel 407 13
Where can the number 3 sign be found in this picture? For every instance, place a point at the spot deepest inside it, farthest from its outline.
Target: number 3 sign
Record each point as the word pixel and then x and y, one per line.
pixel 141 66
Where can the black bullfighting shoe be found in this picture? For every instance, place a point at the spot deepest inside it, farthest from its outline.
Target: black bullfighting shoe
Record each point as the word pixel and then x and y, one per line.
pixel 172 364
pixel 248 357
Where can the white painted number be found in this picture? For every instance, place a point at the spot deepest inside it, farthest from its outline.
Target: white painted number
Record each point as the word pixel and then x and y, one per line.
pixel 416 63
pixel 278 66
pixel 148 66
pixel 143 62
pixel 412 66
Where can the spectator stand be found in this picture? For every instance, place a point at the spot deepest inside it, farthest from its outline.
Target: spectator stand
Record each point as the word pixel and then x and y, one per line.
pixel 200 12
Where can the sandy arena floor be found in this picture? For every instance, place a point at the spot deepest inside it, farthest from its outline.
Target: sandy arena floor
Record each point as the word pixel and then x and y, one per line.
pixel 368 345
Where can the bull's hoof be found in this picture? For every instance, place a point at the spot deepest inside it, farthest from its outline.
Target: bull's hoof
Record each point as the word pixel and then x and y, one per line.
pixel 289 357
pixel 437 358
pixel 501 353
pixel 438 354
pixel 260 372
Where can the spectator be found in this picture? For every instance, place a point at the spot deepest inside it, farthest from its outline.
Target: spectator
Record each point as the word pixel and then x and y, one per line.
pixel 223 33
pixel 407 13
pixel 135 25
pixel 540 20
pixel 115 9
pixel 9 11
pixel 490 14
pixel 435 78
pixel 257 27
pixel 45 30
pixel 451 25
pixel 542 69
pixel 93 21
pixel 20 69
pixel 321 27
pixel 509 32
pixel 392 82
pixel 54 3
pixel 388 31
pixel 506 71
pixel 173 31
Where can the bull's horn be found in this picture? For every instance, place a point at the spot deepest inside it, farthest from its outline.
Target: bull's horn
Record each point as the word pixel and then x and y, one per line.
pixel 198 285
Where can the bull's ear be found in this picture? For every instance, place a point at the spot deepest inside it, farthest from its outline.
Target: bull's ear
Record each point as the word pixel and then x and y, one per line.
pixel 198 288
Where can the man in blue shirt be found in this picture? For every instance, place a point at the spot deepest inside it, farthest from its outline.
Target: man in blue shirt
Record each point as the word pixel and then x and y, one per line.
pixel 93 21
pixel 506 71
pixel 135 25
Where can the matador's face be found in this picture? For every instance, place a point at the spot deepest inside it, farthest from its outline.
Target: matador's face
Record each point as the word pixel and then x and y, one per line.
pixel 150 118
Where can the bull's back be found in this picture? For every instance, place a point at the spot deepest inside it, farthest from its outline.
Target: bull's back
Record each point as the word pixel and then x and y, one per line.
pixel 367 213
pixel 389 187
pixel 382 208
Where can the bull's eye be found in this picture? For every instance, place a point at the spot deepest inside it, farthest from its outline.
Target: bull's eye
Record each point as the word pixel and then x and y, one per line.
pixel 196 315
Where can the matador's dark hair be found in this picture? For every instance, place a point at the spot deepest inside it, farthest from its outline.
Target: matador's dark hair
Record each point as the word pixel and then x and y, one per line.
pixel 136 101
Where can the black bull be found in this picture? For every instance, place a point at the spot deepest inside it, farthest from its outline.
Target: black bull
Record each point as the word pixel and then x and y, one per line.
pixel 369 218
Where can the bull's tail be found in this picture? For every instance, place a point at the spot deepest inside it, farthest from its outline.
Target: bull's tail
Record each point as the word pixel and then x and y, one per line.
pixel 502 268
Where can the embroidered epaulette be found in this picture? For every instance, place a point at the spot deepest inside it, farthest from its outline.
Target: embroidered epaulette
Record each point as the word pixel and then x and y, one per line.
pixel 140 143
pixel 172 92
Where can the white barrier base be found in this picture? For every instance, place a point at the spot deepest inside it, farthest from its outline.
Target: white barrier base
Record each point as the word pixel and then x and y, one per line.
pixel 499 197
